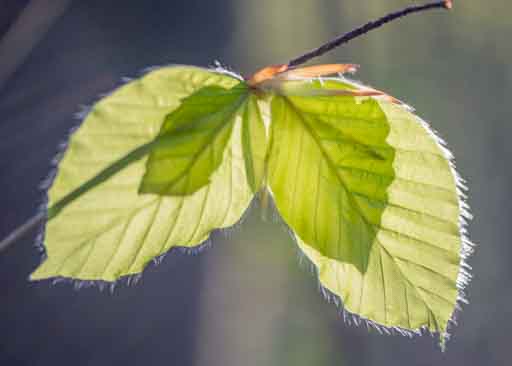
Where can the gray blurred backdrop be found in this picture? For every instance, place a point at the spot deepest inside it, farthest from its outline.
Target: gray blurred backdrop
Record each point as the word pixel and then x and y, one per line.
pixel 246 300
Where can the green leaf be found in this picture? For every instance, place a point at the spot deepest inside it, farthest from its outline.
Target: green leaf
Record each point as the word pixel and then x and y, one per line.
pixel 192 140
pixel 109 230
pixel 373 203
pixel 254 139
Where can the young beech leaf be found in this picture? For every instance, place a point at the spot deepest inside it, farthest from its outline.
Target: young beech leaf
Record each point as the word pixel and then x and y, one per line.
pixel 372 200
pixel 192 141
pixel 109 229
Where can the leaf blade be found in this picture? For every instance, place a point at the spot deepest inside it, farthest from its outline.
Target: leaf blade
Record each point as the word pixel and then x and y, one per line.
pixel 399 266
pixel 111 230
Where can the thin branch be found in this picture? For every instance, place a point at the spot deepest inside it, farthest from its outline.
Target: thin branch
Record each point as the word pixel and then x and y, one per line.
pixel 102 176
pixel 338 41
pixel 17 234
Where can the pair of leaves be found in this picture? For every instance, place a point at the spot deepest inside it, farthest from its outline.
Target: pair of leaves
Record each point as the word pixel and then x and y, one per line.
pixel 367 190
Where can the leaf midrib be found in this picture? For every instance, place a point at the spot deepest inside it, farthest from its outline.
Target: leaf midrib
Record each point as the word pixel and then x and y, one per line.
pixel 330 163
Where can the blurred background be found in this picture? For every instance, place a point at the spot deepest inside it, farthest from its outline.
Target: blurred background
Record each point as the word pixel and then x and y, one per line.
pixel 246 300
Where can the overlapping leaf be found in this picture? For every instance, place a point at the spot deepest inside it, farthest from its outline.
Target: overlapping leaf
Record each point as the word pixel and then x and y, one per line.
pixel 254 138
pixel 192 141
pixel 111 230
pixel 373 203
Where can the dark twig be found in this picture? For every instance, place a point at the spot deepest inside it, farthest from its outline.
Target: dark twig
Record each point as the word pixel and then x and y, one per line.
pixel 21 231
pixel 446 4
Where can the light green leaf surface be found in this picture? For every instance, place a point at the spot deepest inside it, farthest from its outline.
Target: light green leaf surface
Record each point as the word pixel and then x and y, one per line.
pixel 192 141
pixel 373 203
pixel 111 230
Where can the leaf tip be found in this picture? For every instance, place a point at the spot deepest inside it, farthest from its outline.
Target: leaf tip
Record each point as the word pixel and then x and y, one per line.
pixel 38 274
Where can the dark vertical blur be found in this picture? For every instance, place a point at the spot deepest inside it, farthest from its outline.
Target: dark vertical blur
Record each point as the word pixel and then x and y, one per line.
pixel 245 301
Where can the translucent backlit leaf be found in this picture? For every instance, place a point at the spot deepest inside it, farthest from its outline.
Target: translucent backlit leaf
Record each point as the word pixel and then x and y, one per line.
pixel 373 202
pixel 111 230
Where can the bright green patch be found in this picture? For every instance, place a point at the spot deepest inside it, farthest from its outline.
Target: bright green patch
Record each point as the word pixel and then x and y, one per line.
pixel 254 139
pixel 192 140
